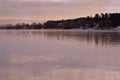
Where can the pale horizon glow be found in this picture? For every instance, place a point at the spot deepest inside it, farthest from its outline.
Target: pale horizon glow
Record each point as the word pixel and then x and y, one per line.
pixel 55 9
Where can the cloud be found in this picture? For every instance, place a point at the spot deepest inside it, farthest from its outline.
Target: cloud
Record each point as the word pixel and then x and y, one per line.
pixel 54 9
pixel 41 0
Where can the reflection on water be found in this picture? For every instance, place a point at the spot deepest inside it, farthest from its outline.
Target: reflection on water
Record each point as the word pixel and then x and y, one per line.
pixel 59 55
pixel 98 37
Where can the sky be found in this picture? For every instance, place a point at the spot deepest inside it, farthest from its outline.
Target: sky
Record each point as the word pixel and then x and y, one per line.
pixel 54 9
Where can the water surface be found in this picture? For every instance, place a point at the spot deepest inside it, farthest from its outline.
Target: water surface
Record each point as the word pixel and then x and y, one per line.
pixel 59 55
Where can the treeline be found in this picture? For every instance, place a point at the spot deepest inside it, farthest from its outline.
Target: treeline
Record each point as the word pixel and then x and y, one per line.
pixel 99 21
pixel 22 26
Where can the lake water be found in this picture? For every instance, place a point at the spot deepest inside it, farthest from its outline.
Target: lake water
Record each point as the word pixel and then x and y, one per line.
pixel 59 55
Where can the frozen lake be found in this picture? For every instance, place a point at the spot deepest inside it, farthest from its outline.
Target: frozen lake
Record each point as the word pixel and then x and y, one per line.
pixel 59 55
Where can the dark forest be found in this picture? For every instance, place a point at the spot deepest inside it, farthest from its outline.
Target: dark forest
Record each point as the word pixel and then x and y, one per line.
pixel 98 21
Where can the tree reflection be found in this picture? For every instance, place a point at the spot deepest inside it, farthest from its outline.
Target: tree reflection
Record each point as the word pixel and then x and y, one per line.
pixel 104 38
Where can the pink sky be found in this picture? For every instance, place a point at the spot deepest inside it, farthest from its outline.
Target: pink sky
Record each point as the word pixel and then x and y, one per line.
pixel 55 9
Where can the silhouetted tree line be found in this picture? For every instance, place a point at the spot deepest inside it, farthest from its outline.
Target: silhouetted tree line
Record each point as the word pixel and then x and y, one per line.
pixel 99 21
pixel 22 26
